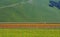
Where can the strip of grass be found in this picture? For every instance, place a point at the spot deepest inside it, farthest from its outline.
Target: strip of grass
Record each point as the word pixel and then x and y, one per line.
pixel 29 32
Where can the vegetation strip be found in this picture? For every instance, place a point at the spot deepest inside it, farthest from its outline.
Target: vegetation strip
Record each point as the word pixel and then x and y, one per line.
pixel 27 25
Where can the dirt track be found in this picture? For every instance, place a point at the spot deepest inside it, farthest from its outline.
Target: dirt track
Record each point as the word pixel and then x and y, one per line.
pixel 27 25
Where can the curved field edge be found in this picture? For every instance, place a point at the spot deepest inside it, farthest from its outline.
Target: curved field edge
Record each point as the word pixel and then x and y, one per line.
pixel 33 32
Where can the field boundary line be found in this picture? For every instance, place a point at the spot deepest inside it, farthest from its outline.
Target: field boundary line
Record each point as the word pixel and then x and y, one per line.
pixel 29 25
pixel 10 5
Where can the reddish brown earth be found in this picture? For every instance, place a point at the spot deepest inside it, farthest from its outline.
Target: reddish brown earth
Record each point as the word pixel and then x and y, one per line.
pixel 31 25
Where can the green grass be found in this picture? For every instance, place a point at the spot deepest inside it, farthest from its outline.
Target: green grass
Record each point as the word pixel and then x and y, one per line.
pixel 29 32
pixel 28 11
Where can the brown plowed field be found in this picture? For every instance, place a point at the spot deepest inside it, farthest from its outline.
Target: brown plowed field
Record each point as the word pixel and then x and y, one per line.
pixel 29 25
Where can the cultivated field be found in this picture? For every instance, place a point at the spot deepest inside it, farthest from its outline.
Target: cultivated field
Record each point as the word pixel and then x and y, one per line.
pixel 28 11
pixel 31 32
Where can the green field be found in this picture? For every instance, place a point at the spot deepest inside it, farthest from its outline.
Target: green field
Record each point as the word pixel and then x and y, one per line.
pixel 28 11
pixel 29 32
